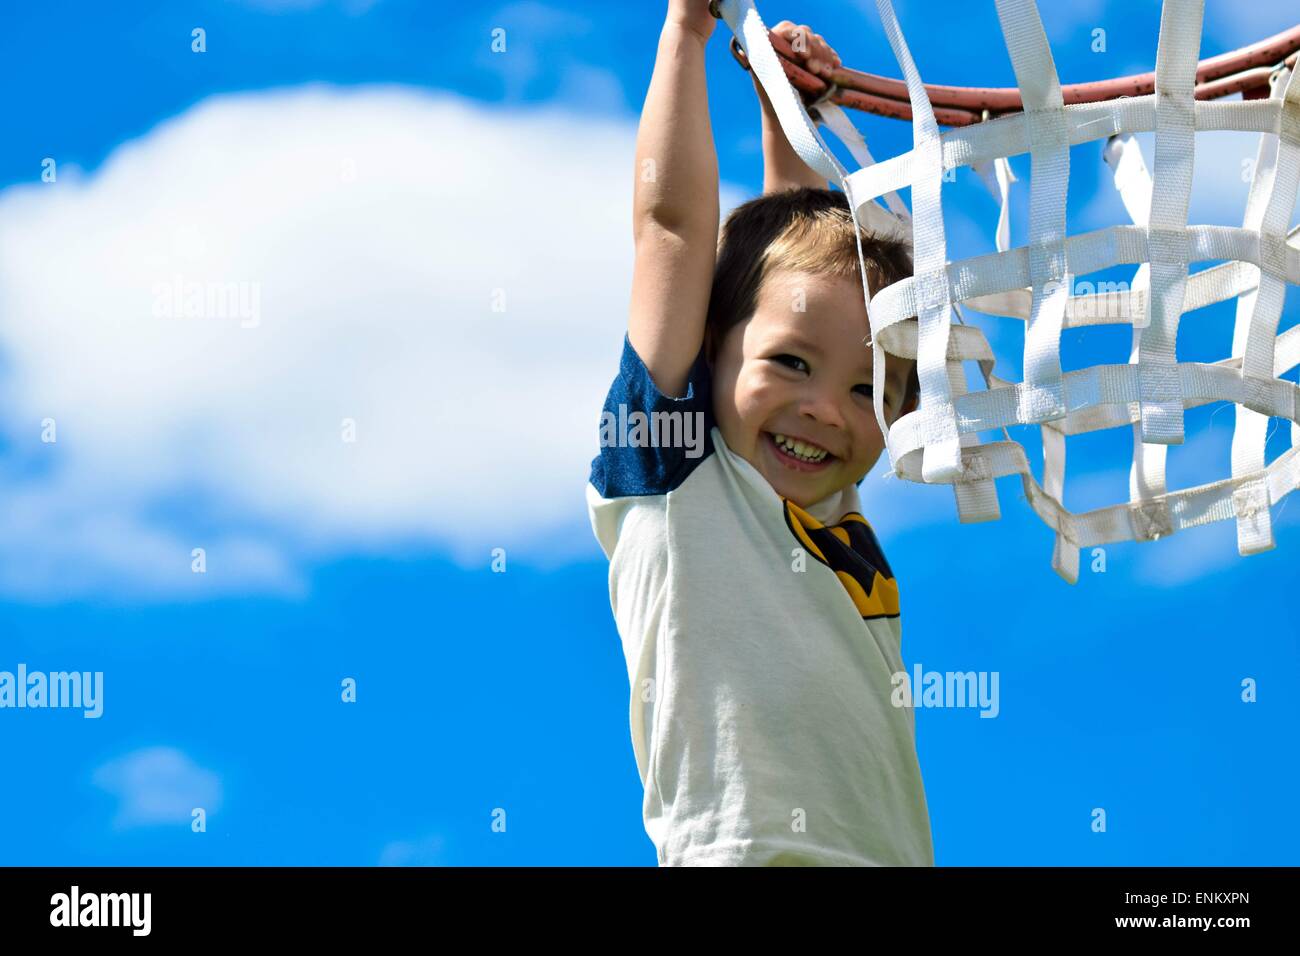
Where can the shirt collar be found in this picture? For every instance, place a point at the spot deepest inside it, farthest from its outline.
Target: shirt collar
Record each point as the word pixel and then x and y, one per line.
pixel 830 510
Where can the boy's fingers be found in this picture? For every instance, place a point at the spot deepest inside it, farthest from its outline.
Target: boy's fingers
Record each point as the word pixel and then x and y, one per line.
pixel 809 47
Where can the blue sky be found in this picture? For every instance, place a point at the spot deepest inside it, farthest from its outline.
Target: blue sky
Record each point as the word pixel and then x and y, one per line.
pixel 370 175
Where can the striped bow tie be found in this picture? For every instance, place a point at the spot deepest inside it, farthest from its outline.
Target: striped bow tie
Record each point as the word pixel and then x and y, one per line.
pixel 850 549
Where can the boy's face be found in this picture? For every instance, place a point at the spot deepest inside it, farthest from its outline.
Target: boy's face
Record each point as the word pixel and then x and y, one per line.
pixel 804 375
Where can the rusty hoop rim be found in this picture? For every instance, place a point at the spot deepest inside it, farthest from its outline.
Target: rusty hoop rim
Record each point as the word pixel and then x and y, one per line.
pixel 1246 70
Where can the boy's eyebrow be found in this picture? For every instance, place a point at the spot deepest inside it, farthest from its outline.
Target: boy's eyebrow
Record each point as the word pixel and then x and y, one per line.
pixel 795 340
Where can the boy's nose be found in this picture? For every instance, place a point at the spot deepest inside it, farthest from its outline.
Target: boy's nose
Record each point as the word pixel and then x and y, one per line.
pixel 821 405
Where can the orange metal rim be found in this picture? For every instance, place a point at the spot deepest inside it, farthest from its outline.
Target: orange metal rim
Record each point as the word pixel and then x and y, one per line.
pixel 1246 71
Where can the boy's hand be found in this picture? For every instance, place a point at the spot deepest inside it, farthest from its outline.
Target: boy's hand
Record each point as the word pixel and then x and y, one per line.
pixel 693 15
pixel 810 51
pixel 782 167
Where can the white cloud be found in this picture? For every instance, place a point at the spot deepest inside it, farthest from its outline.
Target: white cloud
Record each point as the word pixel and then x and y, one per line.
pixel 541 44
pixel 1221 174
pixel 427 851
pixel 368 230
pixel 1221 171
pixel 158 785
pixel 1187 556
pixel 593 88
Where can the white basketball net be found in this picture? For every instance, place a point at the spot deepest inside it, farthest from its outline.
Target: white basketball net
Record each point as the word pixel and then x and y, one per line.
pixel 939 442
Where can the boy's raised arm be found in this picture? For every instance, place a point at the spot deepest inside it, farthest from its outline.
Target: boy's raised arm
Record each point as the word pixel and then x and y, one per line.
pixel 675 203
pixel 782 167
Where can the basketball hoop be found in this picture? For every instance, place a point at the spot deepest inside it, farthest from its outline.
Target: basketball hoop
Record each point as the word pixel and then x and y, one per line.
pixel 942 441
pixel 1245 71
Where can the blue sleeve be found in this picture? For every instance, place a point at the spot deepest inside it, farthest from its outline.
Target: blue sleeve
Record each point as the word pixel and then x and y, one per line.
pixel 651 442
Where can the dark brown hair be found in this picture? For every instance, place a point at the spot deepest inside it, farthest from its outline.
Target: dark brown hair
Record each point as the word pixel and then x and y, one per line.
pixel 802 230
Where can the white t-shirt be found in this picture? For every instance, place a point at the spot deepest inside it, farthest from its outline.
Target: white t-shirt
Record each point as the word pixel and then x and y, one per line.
pixel 761 711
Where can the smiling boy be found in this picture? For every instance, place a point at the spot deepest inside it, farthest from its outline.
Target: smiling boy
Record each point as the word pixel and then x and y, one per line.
pixel 759 618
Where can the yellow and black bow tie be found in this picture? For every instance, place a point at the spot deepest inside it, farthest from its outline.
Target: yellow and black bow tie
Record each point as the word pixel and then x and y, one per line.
pixel 850 549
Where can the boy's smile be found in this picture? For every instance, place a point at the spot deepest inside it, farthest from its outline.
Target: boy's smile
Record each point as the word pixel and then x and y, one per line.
pixel 797 453
pixel 793 390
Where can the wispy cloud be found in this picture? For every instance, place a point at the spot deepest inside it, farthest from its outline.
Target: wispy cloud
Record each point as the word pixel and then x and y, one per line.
pixel 1220 182
pixel 544 50
pixel 426 851
pixel 158 785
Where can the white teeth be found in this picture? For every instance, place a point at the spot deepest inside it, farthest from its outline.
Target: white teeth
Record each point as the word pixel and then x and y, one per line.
pixel 800 449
